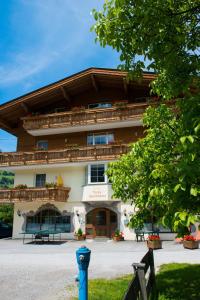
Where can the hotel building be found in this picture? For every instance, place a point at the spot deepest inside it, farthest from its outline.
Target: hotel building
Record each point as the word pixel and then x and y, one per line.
pixel 67 133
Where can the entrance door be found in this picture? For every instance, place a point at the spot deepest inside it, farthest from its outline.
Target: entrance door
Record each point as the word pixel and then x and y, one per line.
pixel 101 222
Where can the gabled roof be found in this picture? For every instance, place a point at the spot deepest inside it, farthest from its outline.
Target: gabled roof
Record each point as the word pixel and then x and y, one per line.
pixel 67 88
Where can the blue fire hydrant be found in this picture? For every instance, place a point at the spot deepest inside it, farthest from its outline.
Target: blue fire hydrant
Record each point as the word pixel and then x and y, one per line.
pixel 83 260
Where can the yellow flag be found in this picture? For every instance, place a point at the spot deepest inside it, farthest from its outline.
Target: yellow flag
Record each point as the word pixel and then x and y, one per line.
pixel 59 181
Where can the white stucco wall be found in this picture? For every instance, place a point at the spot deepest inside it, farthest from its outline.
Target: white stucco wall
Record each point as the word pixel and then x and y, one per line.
pixel 73 177
pixel 25 207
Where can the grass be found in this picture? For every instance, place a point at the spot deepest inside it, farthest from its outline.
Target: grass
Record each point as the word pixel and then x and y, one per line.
pixel 179 282
pixel 108 289
pixel 174 282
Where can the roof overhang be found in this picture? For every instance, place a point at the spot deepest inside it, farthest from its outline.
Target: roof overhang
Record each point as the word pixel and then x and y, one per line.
pixel 11 112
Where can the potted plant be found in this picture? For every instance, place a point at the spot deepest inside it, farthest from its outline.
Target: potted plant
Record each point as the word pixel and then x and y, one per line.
pixel 121 105
pixel 79 236
pixel 50 185
pixel 154 242
pixel 117 236
pixel 78 109
pixel 189 242
pixel 21 186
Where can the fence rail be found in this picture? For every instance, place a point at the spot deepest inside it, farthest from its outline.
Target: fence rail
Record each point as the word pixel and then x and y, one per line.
pixel 13 195
pixel 78 154
pixel 143 284
pixel 84 117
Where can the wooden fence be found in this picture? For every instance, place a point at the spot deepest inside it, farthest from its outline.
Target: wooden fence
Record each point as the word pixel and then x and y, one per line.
pixel 143 284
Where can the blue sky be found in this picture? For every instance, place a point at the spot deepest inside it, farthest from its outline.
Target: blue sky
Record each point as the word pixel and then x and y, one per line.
pixel 43 41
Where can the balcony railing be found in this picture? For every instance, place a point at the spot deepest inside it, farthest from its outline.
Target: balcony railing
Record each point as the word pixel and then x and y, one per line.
pixel 13 195
pixel 79 154
pixel 85 117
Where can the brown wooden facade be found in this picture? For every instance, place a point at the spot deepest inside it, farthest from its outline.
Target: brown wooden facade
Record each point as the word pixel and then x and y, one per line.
pixel 67 155
pixel 90 86
pixel 83 117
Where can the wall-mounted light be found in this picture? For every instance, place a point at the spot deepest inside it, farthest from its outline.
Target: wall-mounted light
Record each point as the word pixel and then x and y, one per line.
pixel 77 213
pixel 124 212
pixel 19 213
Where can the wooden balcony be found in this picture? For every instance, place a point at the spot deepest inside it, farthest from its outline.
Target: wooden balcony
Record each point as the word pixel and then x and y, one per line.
pixel 58 194
pixel 76 154
pixel 80 120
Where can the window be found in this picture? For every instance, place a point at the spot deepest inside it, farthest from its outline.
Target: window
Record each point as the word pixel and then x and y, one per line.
pixel 100 139
pixel 96 173
pixel 40 180
pixel 49 219
pixel 42 145
pixel 99 105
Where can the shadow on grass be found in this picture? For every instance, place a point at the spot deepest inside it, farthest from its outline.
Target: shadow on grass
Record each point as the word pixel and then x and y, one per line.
pixel 179 282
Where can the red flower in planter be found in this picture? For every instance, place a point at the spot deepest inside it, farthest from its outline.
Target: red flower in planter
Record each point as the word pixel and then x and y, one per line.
pixel 189 238
pixel 153 237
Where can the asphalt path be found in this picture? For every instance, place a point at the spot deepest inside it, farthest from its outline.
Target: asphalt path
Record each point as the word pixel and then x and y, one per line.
pixel 47 271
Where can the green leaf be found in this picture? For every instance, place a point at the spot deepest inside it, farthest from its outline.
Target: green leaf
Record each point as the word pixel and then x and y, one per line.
pixel 194 191
pixel 190 138
pixel 197 128
pixel 177 187
pixel 183 139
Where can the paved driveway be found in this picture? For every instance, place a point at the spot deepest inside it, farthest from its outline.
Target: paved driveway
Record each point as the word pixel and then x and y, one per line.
pixel 45 272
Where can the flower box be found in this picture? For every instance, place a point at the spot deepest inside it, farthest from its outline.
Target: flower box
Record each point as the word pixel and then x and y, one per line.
pixel 118 236
pixel 154 244
pixel 191 244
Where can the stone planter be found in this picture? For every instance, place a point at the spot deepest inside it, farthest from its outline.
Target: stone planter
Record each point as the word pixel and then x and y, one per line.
pixel 80 237
pixel 118 238
pixel 154 244
pixel 191 244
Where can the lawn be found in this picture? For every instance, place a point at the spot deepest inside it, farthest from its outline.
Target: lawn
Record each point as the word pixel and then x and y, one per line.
pixel 174 282
pixel 179 282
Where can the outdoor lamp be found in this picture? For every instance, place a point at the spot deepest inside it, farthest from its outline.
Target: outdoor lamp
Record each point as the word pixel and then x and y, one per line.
pixel 19 213
pixel 124 211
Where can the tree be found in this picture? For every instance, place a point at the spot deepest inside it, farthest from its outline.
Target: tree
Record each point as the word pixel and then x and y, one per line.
pixel 161 174
pixel 165 33
pixel 6 213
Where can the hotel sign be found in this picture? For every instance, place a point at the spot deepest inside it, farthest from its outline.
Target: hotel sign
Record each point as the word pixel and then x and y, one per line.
pixel 97 193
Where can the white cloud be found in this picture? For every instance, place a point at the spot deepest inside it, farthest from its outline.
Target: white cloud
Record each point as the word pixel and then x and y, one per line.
pixel 47 31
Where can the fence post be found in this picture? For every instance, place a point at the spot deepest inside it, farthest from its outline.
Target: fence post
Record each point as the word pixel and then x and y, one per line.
pixel 139 271
pixel 83 260
pixel 152 275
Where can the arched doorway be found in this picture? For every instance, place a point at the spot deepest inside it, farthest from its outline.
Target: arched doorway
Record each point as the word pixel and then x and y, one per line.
pixel 101 222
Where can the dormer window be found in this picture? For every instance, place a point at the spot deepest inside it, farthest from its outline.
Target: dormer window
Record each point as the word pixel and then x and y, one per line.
pixel 99 105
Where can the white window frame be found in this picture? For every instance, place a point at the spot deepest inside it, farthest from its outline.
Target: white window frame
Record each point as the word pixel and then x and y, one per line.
pixel 89 174
pixel 99 134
